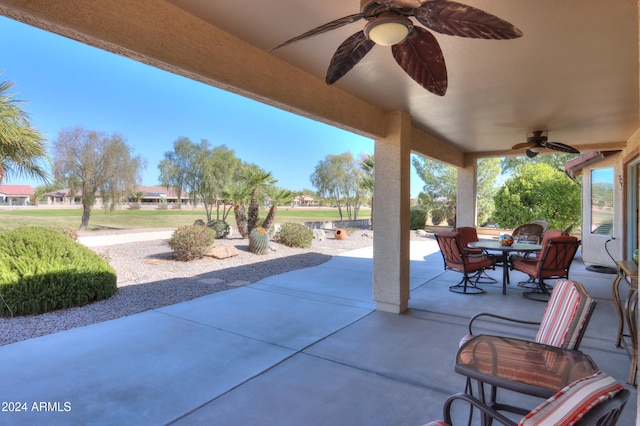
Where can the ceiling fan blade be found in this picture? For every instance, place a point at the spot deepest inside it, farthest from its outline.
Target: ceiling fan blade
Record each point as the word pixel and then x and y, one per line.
pixel 523 145
pixel 349 53
pixel 322 29
pixel 420 56
pixel 531 154
pixel 451 18
pixel 562 147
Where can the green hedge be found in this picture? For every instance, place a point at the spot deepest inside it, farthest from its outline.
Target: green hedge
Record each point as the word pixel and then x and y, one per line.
pixel 42 270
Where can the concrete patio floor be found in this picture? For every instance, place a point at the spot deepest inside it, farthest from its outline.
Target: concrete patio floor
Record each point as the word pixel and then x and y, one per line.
pixel 304 347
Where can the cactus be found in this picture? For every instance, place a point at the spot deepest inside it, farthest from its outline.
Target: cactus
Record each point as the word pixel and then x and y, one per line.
pixel 259 241
pixel 220 227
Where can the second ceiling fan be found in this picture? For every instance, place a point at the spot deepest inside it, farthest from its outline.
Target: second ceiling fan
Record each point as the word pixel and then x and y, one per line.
pixel 415 49
pixel 538 142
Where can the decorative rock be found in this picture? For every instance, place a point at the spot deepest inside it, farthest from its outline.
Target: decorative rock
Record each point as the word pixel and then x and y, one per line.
pixel 222 251
pixel 318 234
pixel 421 233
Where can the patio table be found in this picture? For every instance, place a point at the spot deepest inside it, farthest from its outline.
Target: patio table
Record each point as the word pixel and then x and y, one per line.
pixel 505 250
pixel 520 365
pixel 627 271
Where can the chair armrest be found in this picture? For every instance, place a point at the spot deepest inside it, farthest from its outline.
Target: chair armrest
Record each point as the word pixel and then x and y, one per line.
pixel 500 317
pixel 473 253
pixel 475 403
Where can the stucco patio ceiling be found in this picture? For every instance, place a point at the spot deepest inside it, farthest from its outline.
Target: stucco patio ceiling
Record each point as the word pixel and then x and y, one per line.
pixel 573 73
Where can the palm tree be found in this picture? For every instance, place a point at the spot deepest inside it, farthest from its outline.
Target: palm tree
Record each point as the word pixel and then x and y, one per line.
pixel 368 182
pixel 22 147
pixel 256 180
pixel 279 197
pixel 238 195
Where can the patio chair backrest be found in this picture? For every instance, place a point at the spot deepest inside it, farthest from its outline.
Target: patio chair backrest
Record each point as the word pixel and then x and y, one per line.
pixel 566 316
pixel 556 256
pixel 552 233
pixel 543 223
pixel 451 248
pixel 594 400
pixel 529 233
pixel 468 234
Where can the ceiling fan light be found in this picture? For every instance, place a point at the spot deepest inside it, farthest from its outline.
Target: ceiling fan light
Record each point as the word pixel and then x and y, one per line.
pixel 388 29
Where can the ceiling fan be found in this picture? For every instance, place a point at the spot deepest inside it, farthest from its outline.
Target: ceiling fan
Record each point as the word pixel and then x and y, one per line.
pixel 415 49
pixel 538 142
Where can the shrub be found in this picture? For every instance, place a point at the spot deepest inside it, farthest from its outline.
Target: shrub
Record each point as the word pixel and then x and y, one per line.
pixel 294 235
pixel 135 206
pixel 68 232
pixel 191 242
pixel 418 219
pixel 436 217
pixel 220 227
pixel 42 270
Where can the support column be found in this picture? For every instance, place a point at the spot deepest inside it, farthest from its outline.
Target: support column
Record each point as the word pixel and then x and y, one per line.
pixel 467 196
pixel 391 215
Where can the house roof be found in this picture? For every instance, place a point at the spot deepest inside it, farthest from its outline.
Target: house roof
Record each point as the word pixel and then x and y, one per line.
pixel 16 190
pixel 156 191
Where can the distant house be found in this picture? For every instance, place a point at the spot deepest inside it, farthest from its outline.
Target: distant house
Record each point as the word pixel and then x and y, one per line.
pixel 15 195
pixel 305 200
pixel 63 196
pixel 150 195
pixel 159 194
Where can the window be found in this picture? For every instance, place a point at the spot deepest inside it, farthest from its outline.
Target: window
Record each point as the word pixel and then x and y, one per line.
pixel 602 201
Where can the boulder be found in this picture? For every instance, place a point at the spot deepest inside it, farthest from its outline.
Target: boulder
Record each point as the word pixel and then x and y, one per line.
pixel 222 251
pixel 318 234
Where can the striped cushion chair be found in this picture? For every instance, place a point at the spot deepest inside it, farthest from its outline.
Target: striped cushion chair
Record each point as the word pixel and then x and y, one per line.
pixel 563 324
pixel 565 318
pixel 593 400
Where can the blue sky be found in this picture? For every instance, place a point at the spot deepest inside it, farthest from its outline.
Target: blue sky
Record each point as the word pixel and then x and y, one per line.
pixel 66 84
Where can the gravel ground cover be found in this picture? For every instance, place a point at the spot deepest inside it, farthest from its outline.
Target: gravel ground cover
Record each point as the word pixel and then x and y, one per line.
pixel 149 278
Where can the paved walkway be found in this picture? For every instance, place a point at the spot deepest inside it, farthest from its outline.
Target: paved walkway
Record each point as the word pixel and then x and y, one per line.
pixel 304 347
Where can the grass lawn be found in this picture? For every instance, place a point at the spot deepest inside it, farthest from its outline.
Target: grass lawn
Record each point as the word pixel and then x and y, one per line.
pixel 137 219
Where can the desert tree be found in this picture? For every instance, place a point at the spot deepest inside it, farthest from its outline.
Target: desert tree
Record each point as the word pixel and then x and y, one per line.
pixel 22 147
pixel 202 170
pixel 339 177
pixel 488 172
pixel 95 164
pixel 538 191
pixel 510 164
pixel 438 196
